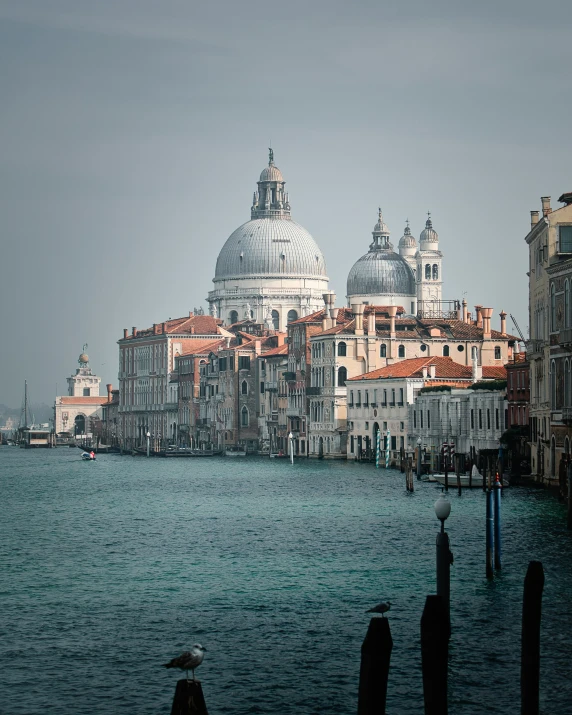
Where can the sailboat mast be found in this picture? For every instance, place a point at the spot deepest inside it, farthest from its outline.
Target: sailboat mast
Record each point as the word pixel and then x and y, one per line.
pixel 25 404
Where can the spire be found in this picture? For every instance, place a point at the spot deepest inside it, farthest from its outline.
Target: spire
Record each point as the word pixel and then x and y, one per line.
pixel 270 156
pixel 428 223
pixel 270 201
pixel 380 235
pixel 407 231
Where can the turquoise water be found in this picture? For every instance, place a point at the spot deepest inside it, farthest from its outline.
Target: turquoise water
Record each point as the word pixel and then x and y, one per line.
pixel 109 569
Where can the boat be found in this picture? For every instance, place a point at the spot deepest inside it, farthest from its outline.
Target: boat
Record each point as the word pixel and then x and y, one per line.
pixel 87 457
pixel 187 452
pixel 472 481
pixel 235 452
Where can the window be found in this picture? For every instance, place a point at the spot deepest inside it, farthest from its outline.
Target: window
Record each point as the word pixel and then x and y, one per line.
pixel 488 419
pixel 414 419
pixel 497 424
pixel 275 319
pixel 244 387
pixel 445 351
pixel 384 403
pixel 497 352
pixel 566 304
pixel 232 317
pixel 342 376
pixel 292 316
pixel 421 418
pixel 565 239
pixel 358 403
pixel 428 271
pixel 86 391
pixel 222 364
pixel 261 388
pixel 342 349
pixel 480 419
pixel 244 417
pixel 401 426
pixel 401 351
pixel 351 398
pixel 366 398
pixel 401 397
pixel 392 403
pixel 243 362
pixel 382 350
pixel 428 419
pixel 435 272
pixel 460 348
pixel 552 308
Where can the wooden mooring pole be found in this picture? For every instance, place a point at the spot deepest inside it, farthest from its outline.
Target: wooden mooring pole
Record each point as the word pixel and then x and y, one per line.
pixel 434 655
pixel 189 699
pixel 458 472
pixel 374 668
pixel 530 656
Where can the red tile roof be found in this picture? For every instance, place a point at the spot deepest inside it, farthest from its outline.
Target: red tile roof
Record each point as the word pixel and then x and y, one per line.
pixel 199 347
pixel 92 400
pixel 280 350
pixel 494 372
pixel 445 367
pixel 191 324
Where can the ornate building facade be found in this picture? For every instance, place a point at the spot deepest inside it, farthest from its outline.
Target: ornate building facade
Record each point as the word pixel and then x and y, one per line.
pixel 270 269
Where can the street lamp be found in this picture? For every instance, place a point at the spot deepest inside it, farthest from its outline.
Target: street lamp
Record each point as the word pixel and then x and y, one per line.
pixel 148 442
pixel 444 557
pixel 419 457
pixel 291 438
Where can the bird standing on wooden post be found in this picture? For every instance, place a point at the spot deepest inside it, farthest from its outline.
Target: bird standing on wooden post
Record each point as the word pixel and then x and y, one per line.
pixel 189 660
pixel 381 608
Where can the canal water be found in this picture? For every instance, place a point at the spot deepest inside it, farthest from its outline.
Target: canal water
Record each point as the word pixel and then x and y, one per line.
pixel 109 569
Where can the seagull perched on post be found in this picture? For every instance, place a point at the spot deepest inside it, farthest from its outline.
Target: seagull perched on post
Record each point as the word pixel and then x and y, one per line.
pixel 189 660
pixel 382 608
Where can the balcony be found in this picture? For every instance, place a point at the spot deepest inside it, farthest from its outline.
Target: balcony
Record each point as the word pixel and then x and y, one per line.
pixel 565 337
pixel 294 412
pixel 290 376
pixel 567 415
pixel 313 391
pixel 534 346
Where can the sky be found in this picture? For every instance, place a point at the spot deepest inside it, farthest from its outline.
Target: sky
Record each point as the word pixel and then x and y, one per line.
pixel 133 133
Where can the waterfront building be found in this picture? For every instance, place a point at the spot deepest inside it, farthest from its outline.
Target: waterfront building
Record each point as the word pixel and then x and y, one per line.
pixel 75 412
pixel 472 419
pixel 550 248
pixel 273 400
pixel 518 401
pixel 368 338
pixel 148 393
pixel 380 400
pixel 270 269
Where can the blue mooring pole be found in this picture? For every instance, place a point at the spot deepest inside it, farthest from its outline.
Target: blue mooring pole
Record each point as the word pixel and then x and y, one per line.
pixel 497 514
pixel 489 547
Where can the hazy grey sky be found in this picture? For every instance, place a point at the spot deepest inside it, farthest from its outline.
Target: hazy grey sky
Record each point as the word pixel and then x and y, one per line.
pixel 133 132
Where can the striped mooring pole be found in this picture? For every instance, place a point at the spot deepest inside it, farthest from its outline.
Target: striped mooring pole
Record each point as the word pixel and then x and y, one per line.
pixel 377 448
pixel 387 451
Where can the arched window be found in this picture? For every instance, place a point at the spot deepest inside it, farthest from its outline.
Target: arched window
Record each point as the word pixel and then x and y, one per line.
pixel 342 349
pixel 445 351
pixel 79 424
pixel 401 351
pixel 497 352
pixel 553 385
pixel 435 272
pixel 342 376
pixel 552 308
pixel 292 316
pixel 383 350
pixel 244 417
pixel 566 304
pixel 428 271
pixel 566 384
pixel 244 387
pixel 275 319
pixel 232 317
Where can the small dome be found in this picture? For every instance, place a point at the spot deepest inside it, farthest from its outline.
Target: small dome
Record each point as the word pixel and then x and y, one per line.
pixel 380 228
pixel 271 173
pixel 83 358
pixel 429 235
pixel 407 240
pixel 381 273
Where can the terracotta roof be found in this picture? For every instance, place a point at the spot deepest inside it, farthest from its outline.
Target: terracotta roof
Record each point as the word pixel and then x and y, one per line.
pixel 445 368
pixel 273 352
pixel 92 400
pixel 199 347
pixel 494 372
pixel 191 324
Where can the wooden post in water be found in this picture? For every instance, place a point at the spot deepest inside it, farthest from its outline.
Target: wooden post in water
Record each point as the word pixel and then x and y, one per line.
pixel 189 698
pixel 530 657
pixel 569 474
pixel 489 533
pixel 434 655
pixel 446 464
pixel 374 668
pixel 458 471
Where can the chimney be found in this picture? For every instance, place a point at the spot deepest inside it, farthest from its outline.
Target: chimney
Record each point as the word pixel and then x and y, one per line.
pixel 479 318
pixel 371 323
pixel 357 310
pixel 502 322
pixel 258 346
pixel 125 333
pixel 190 313
pixel 533 219
pixel 424 371
pixel 486 320
pixel 464 310
pixel 163 327
pixel 477 371
pixel 392 310
pixel 134 331
pixel 227 340
pixel 109 391
pixel 329 300
pixel 459 311
pixel 280 337
pixel 154 328
pixel 432 371
pixel 545 205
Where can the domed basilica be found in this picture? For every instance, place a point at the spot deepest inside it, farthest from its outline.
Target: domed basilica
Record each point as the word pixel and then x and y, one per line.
pixel 270 269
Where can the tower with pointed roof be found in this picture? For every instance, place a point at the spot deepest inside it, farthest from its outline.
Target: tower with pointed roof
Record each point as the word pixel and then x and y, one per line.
pixel 428 274
pixel 270 266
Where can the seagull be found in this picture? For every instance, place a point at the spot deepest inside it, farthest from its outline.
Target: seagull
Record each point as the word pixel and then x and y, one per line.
pixel 189 660
pixel 382 608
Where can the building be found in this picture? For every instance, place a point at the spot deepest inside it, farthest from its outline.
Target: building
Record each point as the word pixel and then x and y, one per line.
pixel 366 338
pixel 517 437
pixel 550 248
pixel 148 391
pixel 75 413
pixel 380 401
pixel 273 400
pixel 270 269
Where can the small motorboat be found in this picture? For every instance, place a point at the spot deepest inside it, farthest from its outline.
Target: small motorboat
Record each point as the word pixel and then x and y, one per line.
pixel 88 457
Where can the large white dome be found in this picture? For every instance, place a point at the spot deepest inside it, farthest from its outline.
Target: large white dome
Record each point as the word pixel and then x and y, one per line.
pixel 270 247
